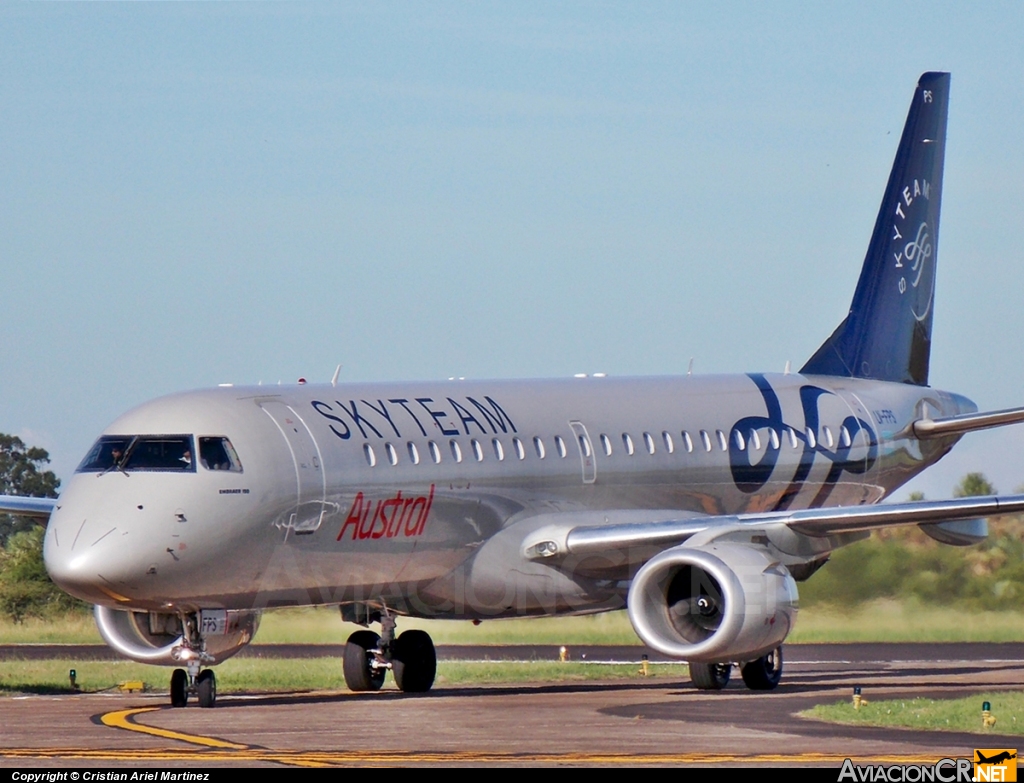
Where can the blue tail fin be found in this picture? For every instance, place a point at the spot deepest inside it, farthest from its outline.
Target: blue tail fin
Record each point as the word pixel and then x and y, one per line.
pixel 888 334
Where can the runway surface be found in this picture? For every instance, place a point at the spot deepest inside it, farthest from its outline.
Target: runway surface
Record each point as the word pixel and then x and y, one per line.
pixel 804 653
pixel 657 721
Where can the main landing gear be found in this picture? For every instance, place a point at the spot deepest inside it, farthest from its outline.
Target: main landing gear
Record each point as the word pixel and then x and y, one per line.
pixel 761 674
pixel 410 657
pixel 190 680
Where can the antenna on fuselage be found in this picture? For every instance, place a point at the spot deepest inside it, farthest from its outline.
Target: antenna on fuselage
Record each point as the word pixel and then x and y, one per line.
pixel 337 372
pixel 689 370
pixel 789 367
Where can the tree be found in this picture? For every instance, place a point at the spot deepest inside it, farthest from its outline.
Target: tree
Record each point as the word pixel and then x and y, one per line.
pixel 25 587
pixel 974 485
pixel 21 473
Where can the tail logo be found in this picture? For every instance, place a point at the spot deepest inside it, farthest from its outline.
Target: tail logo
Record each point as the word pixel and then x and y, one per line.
pixel 919 251
pixel 915 257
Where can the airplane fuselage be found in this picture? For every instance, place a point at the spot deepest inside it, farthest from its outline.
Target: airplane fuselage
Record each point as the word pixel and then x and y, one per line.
pixel 419 495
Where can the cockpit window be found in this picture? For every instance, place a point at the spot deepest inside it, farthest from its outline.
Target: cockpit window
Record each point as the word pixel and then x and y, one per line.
pixel 218 454
pixel 161 452
pixel 140 452
pixel 106 453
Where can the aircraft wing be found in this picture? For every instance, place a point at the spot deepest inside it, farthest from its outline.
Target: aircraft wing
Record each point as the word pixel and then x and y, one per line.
pixel 40 508
pixel 590 539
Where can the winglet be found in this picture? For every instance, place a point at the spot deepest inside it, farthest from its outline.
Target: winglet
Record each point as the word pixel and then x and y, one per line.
pixel 887 334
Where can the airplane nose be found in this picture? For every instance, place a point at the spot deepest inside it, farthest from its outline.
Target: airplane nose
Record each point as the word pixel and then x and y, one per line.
pixel 89 561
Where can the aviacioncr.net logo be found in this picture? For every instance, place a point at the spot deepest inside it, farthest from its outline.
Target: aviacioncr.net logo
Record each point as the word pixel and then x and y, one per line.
pixel 942 771
pixel 995 764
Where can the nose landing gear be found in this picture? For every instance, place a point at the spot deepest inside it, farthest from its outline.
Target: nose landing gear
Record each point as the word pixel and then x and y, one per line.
pixel 184 684
pixel 410 657
pixel 190 680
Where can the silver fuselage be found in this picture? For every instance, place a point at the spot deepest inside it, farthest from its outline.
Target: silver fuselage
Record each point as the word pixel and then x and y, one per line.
pixel 434 525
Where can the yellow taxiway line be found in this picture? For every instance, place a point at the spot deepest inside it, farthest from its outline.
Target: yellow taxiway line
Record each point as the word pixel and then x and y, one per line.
pixel 124 719
pixel 321 758
pixel 219 750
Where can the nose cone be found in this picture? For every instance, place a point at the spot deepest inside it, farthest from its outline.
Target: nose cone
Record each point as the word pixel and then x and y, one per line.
pixel 81 562
pixel 91 549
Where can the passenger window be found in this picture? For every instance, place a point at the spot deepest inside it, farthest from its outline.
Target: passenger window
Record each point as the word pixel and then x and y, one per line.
pixel 392 454
pixel 649 442
pixel 687 442
pixel 628 443
pixel 754 440
pixel 538 445
pixel 669 445
pixel 456 450
pixel 520 451
pixel 606 444
pixel 584 446
pixel 371 458
pixel 435 452
pixel 738 437
pixel 706 440
pixel 811 440
pixel 722 440
pixel 828 437
pixel 414 454
pixel 477 451
pixel 774 438
pixel 218 454
pixel 499 452
pixel 560 445
pixel 844 437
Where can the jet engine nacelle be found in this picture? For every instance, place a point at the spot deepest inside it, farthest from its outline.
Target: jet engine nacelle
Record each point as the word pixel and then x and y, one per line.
pixel 716 603
pixel 152 637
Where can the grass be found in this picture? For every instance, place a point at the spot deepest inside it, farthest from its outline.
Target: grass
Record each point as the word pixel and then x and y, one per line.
pixel 242 675
pixel 930 714
pixel 886 620
pixel 875 621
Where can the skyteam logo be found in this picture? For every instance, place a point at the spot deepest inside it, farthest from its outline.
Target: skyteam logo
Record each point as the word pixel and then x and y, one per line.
pixel 853 451
pixel 913 246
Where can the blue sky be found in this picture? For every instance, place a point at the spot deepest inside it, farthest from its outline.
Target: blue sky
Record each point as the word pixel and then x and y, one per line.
pixel 201 193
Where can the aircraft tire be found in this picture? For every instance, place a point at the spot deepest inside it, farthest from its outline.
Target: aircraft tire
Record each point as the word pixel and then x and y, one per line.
pixel 764 673
pixel 356 664
pixel 206 688
pixel 414 663
pixel 179 688
pixel 710 676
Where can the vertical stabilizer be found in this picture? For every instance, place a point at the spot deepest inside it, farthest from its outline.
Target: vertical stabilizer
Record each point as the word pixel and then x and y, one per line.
pixel 887 335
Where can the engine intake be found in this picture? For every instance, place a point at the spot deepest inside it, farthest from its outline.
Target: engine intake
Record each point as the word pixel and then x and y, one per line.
pixel 714 604
pixel 152 637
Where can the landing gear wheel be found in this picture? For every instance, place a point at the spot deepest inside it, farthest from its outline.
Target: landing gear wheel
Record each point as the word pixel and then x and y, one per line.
pixel 764 673
pixel 179 688
pixel 206 688
pixel 710 676
pixel 414 662
pixel 359 675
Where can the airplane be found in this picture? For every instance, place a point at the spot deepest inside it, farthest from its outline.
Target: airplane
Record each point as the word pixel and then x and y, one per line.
pixel 696 502
pixel 996 759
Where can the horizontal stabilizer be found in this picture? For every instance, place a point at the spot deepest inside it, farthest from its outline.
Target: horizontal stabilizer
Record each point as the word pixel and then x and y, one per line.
pixel 967 422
